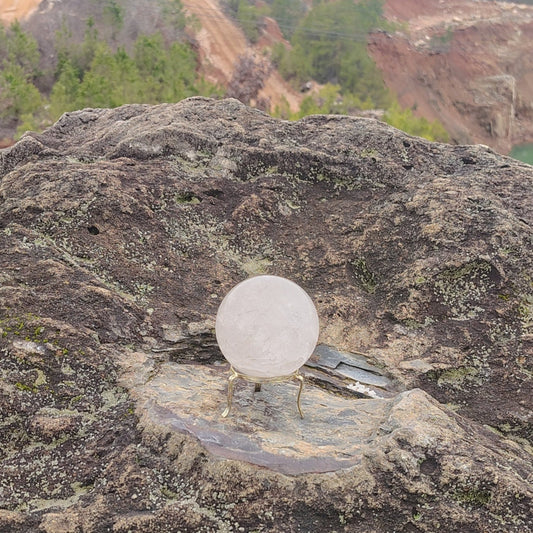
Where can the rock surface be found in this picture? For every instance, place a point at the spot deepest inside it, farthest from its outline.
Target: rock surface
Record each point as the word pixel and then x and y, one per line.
pixel 263 428
pixel 121 231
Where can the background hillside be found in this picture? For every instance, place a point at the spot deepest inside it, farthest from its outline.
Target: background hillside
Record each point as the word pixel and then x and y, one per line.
pixel 459 71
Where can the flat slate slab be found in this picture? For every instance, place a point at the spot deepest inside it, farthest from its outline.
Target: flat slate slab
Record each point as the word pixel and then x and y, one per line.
pixel 353 366
pixel 263 428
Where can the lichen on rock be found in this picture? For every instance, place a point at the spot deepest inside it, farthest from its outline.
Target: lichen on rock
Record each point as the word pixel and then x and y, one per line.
pixel 122 230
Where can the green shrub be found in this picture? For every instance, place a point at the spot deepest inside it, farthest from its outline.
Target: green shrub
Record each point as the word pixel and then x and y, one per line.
pixel 404 120
pixel 329 46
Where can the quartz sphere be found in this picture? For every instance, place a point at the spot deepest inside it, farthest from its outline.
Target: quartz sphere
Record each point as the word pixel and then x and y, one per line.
pixel 267 326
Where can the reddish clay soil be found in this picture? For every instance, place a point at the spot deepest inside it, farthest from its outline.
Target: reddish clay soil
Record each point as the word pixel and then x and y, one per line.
pixel 466 63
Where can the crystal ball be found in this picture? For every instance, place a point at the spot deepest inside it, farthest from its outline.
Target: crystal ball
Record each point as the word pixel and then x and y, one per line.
pixel 267 326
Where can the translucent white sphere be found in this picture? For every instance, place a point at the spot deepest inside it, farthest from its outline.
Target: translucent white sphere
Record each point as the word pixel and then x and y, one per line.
pixel 267 326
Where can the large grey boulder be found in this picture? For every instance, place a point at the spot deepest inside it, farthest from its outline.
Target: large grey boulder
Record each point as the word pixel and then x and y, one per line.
pixel 121 231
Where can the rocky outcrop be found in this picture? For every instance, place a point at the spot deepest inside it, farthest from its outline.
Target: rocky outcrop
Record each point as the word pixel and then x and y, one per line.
pixel 121 231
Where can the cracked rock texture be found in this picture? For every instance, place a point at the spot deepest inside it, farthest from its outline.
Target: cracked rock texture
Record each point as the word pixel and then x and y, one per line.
pixel 121 231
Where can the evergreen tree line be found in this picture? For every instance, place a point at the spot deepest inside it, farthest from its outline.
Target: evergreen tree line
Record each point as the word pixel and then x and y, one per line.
pixel 19 68
pixel 91 74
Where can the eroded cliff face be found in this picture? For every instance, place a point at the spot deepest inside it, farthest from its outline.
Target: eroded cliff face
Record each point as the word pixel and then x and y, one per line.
pixel 121 231
pixel 467 64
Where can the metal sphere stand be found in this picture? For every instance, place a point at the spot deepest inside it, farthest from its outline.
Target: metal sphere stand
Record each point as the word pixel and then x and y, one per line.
pixel 258 382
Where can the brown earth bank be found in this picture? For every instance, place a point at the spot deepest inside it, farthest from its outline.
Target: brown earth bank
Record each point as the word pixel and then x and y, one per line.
pixel 221 43
pixel 121 231
pixel 465 63
pixel 12 10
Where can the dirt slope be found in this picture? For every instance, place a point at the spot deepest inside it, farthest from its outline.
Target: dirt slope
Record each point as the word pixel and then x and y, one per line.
pixel 221 43
pixel 11 10
pixel 466 63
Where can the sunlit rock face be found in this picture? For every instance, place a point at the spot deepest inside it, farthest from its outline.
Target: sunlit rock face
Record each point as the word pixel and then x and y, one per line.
pixel 267 326
pixel 121 232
